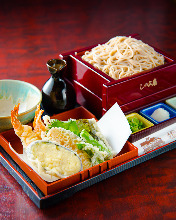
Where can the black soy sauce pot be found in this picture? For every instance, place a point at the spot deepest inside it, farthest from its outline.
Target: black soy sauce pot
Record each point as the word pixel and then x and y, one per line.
pixel 58 94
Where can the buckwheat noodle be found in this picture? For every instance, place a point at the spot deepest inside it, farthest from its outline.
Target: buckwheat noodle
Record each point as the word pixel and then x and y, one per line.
pixel 123 56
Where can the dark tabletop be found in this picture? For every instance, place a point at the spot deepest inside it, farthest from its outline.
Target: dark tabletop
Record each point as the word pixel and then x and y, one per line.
pixel 31 33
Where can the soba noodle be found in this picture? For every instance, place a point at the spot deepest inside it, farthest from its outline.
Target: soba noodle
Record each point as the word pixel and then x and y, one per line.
pixel 123 56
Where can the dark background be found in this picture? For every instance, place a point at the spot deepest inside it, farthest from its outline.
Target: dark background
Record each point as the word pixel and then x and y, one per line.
pixel 31 33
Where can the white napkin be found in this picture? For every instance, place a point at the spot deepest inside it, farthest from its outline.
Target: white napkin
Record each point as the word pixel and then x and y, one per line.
pixel 115 127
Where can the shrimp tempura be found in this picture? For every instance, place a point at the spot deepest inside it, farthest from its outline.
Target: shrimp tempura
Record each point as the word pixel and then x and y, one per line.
pixel 24 132
pixel 38 125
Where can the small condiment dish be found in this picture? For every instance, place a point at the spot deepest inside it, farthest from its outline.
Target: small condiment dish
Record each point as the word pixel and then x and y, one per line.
pixel 147 112
pixel 13 92
pixel 171 102
pixel 145 122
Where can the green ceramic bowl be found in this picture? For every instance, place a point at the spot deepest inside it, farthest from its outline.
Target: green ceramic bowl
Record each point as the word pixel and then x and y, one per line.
pixel 13 92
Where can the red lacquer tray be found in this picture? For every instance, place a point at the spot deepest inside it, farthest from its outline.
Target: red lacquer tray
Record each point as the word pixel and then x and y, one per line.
pixel 42 201
pixel 129 151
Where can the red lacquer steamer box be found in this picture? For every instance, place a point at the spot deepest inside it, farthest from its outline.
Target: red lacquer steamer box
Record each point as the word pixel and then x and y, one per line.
pixel 98 92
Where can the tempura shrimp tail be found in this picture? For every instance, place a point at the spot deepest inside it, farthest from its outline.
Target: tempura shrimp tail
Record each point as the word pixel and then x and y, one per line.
pixel 15 122
pixel 38 125
pixel 24 132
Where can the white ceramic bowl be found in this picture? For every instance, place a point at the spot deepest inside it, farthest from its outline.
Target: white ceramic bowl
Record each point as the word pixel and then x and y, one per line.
pixel 13 92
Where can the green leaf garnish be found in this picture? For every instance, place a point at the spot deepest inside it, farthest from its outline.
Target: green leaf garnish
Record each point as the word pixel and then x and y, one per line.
pixel 68 125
